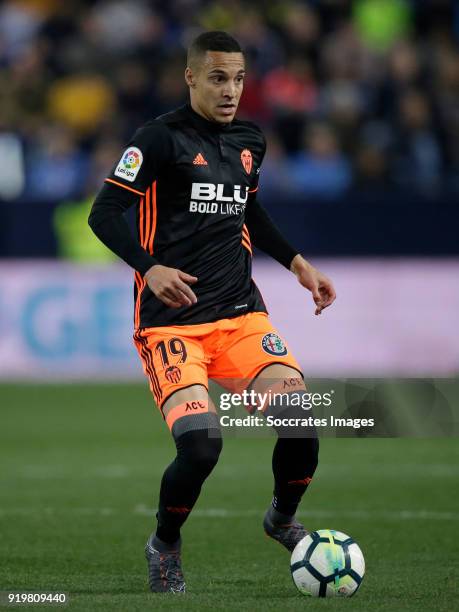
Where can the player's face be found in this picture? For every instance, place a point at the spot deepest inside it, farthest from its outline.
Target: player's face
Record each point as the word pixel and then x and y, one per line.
pixel 217 87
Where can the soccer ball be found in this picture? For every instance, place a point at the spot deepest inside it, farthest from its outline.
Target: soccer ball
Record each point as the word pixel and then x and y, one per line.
pixel 327 563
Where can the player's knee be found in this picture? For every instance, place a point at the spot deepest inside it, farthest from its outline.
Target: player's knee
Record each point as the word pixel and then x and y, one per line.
pixel 290 414
pixel 206 456
pixel 199 451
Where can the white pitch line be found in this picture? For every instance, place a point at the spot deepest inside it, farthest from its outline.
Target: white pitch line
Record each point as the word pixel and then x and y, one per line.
pixel 120 471
pixel 45 472
pixel 352 514
pixel 223 513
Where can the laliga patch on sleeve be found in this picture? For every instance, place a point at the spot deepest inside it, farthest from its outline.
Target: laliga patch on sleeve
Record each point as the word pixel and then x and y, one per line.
pixel 129 164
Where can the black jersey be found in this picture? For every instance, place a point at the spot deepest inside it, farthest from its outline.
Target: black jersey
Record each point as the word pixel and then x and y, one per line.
pixel 193 181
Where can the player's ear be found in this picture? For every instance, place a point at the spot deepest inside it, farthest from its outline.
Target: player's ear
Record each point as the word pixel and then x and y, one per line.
pixel 189 77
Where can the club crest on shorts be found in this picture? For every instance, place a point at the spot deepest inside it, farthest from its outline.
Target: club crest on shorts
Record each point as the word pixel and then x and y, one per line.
pixel 173 374
pixel 247 161
pixel 273 345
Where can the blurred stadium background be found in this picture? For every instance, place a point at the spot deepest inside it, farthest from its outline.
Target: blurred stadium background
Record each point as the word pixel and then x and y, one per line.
pixel 360 104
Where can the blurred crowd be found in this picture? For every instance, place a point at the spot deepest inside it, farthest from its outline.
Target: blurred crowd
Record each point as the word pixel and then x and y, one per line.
pixel 351 94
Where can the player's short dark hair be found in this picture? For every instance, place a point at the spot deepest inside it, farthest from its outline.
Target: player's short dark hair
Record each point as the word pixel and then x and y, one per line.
pixel 215 40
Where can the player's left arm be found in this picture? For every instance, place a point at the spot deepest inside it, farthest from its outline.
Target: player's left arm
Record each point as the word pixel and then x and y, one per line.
pixel 266 236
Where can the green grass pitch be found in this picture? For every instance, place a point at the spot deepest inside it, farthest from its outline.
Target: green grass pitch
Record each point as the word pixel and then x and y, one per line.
pixel 79 473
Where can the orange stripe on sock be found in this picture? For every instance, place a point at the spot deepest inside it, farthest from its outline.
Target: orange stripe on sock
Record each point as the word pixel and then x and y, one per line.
pixel 178 509
pixel 303 481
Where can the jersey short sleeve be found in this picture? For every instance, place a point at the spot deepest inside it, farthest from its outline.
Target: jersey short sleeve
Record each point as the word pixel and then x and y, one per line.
pixel 141 161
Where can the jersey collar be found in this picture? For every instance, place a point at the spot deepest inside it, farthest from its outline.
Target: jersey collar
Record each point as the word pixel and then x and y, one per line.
pixel 201 122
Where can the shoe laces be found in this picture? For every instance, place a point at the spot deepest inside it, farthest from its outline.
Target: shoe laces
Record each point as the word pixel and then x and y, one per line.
pixel 292 532
pixel 173 572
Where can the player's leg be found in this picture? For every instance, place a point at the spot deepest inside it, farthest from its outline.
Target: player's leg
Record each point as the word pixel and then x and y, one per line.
pixel 295 454
pixel 175 363
pixel 191 418
pixel 194 426
pixel 255 355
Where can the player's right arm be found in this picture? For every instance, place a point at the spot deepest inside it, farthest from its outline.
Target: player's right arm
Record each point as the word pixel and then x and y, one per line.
pixel 147 153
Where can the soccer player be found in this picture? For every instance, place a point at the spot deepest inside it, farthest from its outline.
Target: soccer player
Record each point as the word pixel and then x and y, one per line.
pixel 193 175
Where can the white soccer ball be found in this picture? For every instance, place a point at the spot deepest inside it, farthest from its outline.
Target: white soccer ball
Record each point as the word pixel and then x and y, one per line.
pixel 327 563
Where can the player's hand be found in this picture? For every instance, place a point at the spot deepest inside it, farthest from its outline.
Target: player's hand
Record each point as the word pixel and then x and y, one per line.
pixel 321 287
pixel 171 286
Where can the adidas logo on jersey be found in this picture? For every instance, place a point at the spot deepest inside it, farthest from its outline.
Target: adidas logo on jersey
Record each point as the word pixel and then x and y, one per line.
pixel 199 160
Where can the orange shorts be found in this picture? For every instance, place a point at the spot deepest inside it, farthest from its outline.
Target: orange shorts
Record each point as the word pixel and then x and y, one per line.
pixel 230 351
